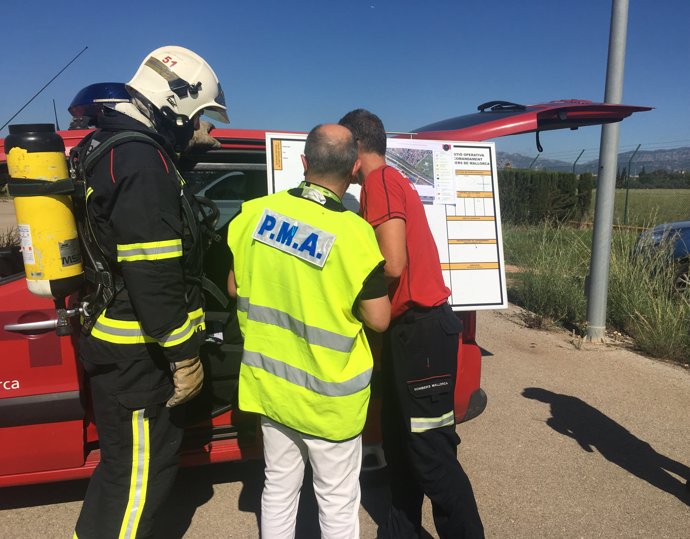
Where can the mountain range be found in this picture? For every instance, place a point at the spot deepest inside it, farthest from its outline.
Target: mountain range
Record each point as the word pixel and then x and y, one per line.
pixel 675 160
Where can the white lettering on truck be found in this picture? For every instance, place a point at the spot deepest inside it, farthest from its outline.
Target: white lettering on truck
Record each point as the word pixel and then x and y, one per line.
pixel 9 385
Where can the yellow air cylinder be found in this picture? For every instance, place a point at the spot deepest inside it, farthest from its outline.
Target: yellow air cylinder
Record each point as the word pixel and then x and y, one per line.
pixel 46 225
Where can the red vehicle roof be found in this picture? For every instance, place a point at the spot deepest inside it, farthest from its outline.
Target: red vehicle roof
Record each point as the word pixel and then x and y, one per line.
pixel 501 118
pixel 494 119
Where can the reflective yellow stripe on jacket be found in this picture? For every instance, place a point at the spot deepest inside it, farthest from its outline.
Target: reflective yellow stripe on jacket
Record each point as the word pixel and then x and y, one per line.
pixel 130 331
pixel 151 250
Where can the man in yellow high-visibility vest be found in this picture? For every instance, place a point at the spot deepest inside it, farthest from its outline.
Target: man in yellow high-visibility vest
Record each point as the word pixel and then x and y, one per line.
pixel 308 275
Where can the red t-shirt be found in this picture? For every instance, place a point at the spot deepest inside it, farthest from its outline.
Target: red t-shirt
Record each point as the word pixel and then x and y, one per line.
pixel 387 194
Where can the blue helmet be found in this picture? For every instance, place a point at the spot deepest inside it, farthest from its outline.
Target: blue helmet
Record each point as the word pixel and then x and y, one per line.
pixel 90 100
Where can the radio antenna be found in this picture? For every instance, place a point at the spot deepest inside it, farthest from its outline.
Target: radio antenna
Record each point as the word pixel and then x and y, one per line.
pixel 57 125
pixel 44 87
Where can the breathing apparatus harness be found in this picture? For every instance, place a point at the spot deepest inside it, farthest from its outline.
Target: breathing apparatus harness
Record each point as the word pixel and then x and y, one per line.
pixel 104 283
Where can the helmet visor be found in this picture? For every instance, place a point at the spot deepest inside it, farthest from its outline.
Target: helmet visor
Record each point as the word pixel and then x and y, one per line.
pixel 218 112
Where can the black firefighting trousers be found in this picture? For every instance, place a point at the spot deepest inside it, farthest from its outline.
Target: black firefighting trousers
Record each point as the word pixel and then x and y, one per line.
pixel 419 366
pixel 139 441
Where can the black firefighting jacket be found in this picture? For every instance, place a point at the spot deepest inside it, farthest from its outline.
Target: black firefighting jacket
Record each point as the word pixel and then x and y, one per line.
pixel 139 220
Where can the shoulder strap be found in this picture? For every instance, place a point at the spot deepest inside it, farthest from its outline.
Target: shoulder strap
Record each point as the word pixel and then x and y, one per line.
pixel 92 156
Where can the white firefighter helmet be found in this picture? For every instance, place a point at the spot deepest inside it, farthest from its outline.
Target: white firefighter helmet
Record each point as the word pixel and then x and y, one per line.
pixel 179 83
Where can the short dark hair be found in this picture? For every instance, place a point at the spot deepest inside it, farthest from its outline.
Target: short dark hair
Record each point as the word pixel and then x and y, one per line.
pixel 329 156
pixel 368 130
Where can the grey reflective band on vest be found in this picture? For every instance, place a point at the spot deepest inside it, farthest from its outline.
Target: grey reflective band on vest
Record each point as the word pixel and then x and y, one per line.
pixel 311 334
pixel 422 424
pixel 304 379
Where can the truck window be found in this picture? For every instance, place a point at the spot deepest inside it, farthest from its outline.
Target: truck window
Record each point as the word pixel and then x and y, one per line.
pixel 227 184
pixel 10 257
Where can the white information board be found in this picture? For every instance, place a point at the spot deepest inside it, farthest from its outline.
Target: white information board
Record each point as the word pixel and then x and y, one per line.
pixel 458 184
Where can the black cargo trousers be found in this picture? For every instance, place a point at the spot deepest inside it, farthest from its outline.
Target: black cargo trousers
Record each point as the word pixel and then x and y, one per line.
pixel 140 442
pixel 419 367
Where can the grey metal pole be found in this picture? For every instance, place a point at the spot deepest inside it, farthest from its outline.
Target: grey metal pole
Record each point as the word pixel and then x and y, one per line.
pixel 606 182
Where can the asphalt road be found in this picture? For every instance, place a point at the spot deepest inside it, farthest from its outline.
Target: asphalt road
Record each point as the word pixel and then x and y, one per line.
pixel 576 442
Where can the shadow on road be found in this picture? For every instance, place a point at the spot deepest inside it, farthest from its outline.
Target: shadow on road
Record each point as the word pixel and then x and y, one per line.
pixel 592 429
pixel 194 487
pixel 46 494
pixel 376 497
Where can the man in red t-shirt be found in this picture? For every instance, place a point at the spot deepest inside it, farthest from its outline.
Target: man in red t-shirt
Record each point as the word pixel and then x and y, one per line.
pixel 419 359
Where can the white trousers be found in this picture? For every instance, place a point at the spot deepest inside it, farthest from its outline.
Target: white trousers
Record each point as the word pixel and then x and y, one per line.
pixel 336 467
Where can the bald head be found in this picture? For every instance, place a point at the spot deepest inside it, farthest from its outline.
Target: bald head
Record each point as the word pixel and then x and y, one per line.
pixel 330 154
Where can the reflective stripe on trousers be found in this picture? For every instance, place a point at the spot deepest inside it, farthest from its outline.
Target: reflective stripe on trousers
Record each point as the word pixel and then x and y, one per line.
pixel 421 424
pixel 139 477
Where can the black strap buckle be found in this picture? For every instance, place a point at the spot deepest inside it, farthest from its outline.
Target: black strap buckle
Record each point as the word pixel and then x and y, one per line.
pixel 27 187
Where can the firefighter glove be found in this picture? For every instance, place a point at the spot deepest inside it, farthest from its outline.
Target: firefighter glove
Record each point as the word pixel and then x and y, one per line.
pixel 188 377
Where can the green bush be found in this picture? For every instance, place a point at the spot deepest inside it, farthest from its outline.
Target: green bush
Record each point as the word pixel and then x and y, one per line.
pixel 535 196
pixel 585 194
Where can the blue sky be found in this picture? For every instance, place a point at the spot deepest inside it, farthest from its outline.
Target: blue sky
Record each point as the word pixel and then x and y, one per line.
pixel 290 65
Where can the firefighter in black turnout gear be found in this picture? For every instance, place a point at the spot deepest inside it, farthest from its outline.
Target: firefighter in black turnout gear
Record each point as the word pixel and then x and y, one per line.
pixel 140 347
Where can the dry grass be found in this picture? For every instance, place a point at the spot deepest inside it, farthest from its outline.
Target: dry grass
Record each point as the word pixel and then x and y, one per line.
pixel 9 237
pixel 642 304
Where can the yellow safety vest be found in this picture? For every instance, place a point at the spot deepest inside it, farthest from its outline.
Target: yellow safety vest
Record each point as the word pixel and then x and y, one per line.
pixel 299 268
